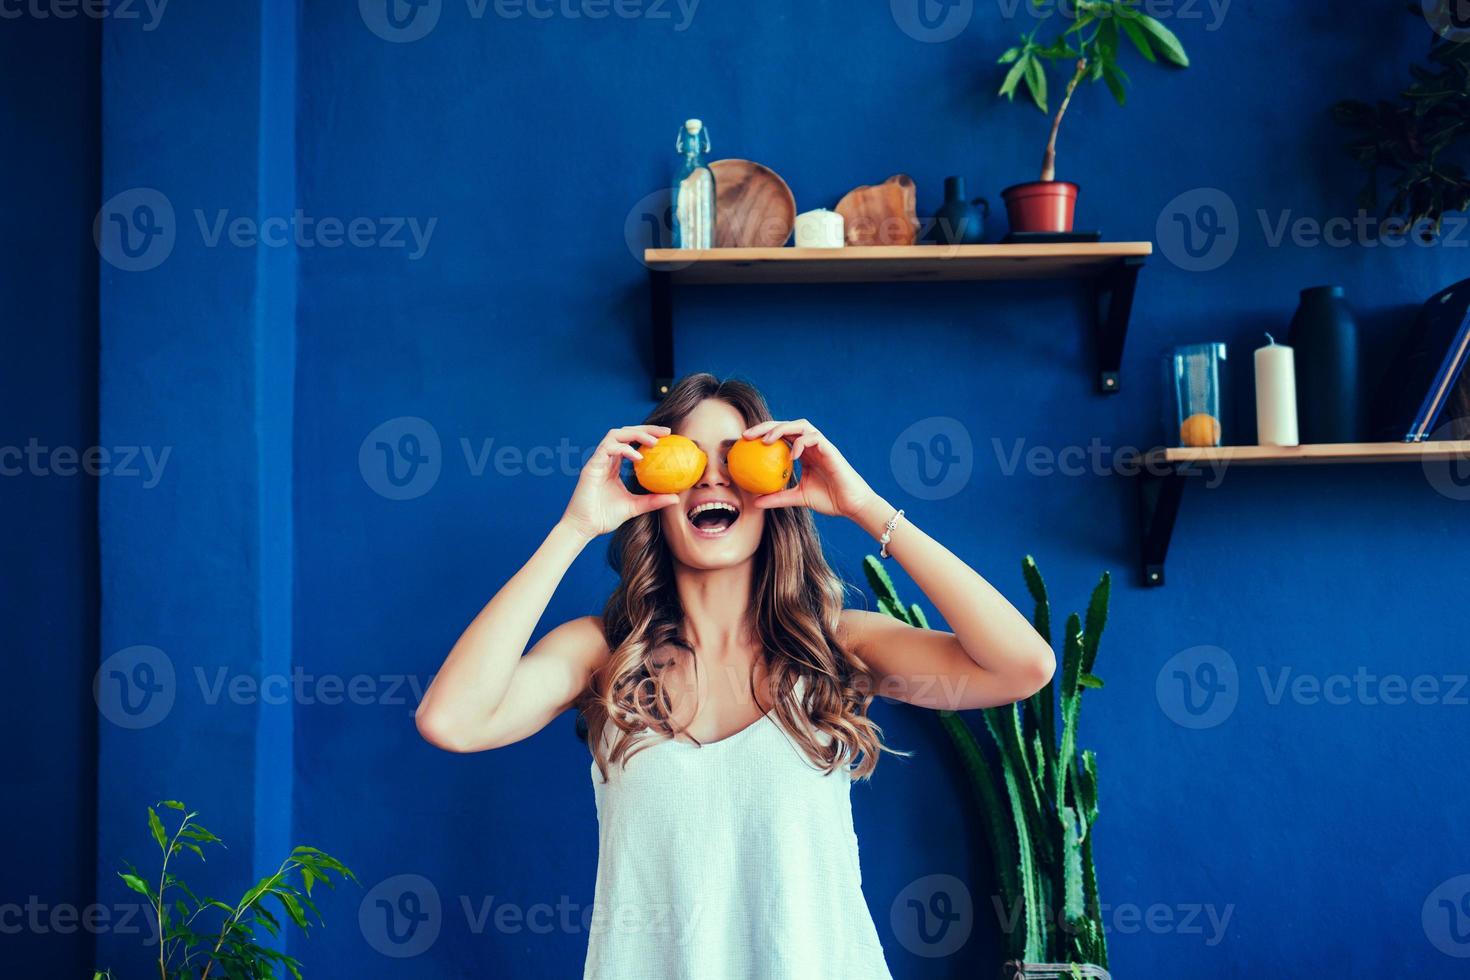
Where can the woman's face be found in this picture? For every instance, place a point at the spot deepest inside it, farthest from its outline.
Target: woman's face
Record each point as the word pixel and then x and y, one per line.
pixel 715 524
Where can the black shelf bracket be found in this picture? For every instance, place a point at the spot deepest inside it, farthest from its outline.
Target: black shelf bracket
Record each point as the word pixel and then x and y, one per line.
pixel 1159 494
pixel 661 312
pixel 1115 290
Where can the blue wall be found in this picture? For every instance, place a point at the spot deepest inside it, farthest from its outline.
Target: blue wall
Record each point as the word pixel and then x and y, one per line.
pixel 521 149
pixel 48 393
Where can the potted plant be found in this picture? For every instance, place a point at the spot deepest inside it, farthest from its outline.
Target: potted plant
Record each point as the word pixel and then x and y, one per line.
pixel 1091 44
pixel 1421 140
pixel 1036 789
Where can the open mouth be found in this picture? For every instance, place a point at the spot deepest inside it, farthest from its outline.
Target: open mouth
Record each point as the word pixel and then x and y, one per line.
pixel 713 518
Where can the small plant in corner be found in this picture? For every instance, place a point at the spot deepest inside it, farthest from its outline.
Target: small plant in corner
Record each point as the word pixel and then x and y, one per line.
pixel 1090 47
pixel 203 937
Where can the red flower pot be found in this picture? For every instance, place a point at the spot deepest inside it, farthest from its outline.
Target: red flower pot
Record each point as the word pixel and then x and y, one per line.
pixel 1041 205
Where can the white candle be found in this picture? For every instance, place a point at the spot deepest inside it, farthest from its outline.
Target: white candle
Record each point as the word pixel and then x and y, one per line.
pixel 1276 395
pixel 819 229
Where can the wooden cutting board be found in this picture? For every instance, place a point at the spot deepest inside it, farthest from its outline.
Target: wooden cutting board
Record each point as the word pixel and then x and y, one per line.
pixel 753 206
pixel 881 214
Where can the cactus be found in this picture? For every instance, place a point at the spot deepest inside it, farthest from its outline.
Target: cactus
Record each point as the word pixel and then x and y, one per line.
pixel 1038 798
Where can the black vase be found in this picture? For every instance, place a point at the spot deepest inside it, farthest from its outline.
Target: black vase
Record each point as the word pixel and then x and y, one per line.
pixel 958 221
pixel 1325 338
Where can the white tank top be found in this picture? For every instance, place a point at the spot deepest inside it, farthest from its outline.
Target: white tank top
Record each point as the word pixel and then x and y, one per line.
pixel 735 860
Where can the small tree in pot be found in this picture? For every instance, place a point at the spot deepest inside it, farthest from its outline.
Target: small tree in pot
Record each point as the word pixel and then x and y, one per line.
pixel 1091 45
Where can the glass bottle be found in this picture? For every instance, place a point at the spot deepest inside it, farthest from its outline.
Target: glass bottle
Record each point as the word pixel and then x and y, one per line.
pixel 694 190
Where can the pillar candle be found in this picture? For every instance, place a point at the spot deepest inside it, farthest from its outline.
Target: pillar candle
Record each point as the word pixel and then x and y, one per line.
pixel 819 229
pixel 1275 395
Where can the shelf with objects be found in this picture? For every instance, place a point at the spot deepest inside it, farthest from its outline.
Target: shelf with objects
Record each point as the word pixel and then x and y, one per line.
pixel 1110 267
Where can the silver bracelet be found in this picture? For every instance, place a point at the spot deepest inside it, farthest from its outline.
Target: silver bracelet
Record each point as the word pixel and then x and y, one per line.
pixel 888 534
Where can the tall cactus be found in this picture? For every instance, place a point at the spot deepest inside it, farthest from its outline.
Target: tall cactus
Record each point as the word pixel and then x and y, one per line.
pixel 1038 798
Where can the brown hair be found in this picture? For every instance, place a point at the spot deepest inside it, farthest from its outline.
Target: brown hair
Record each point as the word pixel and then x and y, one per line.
pixel 821 690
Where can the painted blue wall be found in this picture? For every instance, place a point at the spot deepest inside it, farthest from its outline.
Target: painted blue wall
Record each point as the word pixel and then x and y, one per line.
pixel 521 148
pixel 48 412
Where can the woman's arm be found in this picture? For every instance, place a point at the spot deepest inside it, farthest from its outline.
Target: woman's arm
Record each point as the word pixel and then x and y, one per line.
pixel 994 656
pixel 487 694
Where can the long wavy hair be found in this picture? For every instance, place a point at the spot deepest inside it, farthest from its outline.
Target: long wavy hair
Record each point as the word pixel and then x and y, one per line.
pixel 821 690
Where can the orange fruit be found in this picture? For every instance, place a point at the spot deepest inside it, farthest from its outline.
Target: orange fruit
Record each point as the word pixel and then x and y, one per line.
pixel 760 467
pixel 1200 429
pixel 673 464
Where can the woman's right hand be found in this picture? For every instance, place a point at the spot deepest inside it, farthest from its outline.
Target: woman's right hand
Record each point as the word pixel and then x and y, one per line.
pixel 601 503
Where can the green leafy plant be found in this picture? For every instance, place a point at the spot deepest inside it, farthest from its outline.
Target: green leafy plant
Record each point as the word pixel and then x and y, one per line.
pixel 190 945
pixel 1038 797
pixel 1421 141
pixel 1092 44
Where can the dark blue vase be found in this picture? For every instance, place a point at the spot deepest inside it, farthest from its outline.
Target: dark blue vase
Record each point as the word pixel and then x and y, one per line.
pixel 959 221
pixel 1325 339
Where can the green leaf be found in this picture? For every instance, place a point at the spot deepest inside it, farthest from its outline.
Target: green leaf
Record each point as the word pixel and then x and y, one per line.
pixel 1137 35
pixel 156 827
pixel 172 805
pixel 1090 681
pixel 1008 56
pixel 1036 585
pixel 137 884
pixel 1036 82
pixel 1117 82
pixel 1164 41
pixel 1013 77
pixel 917 617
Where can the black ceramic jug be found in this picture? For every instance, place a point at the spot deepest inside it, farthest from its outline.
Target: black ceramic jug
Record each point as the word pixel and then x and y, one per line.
pixel 958 221
pixel 1325 339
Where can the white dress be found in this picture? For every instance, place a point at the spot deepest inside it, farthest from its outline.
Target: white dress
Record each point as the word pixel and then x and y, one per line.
pixel 735 860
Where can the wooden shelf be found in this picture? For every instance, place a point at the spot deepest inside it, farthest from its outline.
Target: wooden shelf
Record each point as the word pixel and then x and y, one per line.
pixel 892 263
pixel 1112 267
pixel 1162 479
pixel 1329 452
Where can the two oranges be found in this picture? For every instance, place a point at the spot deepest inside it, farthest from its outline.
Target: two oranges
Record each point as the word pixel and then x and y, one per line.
pixel 675 463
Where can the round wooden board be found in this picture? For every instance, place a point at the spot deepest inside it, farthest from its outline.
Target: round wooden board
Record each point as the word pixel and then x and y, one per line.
pixel 753 206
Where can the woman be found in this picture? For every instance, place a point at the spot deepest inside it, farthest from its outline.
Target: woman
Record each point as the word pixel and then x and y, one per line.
pixel 725 693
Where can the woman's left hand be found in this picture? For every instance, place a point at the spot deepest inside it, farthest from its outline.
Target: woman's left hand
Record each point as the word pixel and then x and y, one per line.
pixel 829 485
